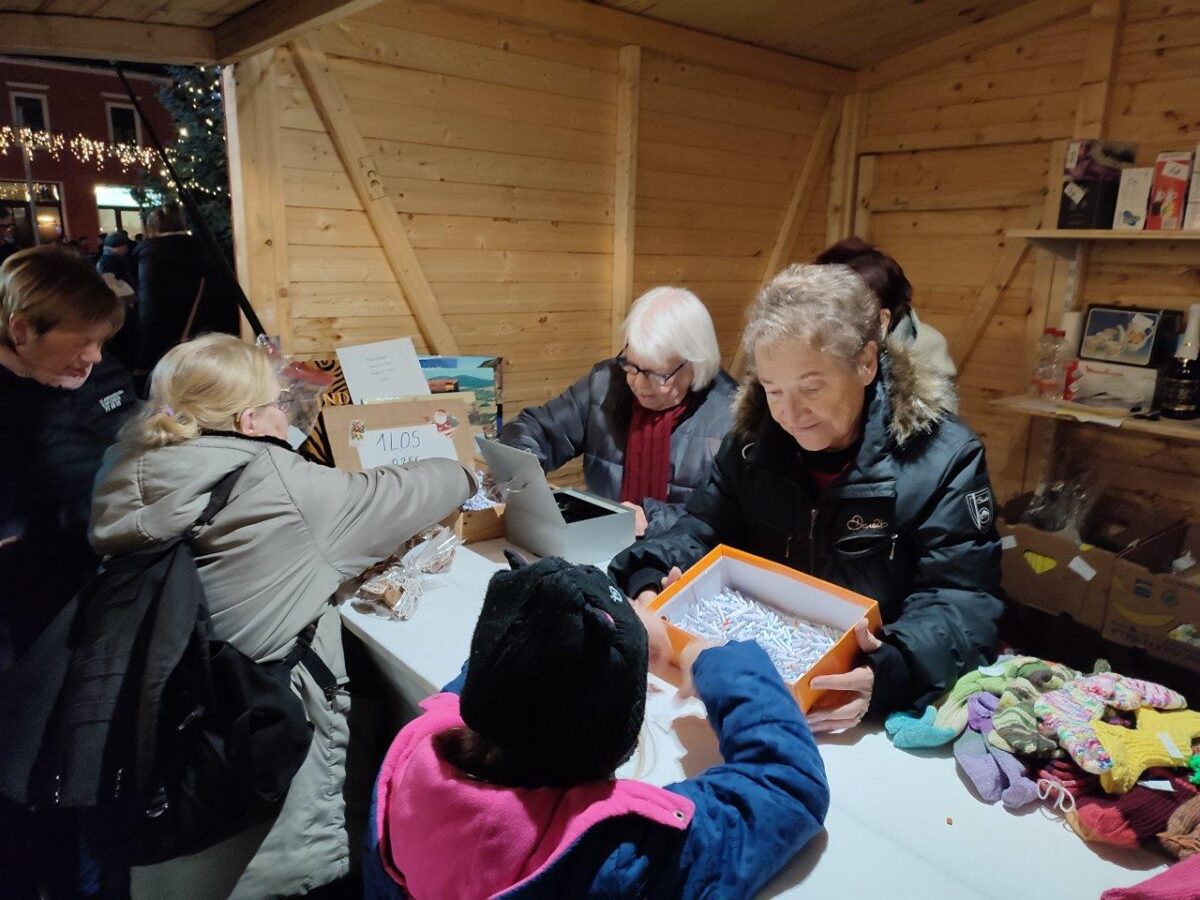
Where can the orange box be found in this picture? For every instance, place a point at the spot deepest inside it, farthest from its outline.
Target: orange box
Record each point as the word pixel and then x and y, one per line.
pixel 789 592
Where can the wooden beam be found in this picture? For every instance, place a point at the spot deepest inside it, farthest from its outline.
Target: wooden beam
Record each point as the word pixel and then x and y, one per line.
pixel 331 105
pixel 863 197
pixel 843 183
pixel 1099 68
pixel 965 41
pixel 793 217
pixel 625 191
pixel 82 37
pixel 272 23
pixel 975 322
pixel 614 26
pixel 256 190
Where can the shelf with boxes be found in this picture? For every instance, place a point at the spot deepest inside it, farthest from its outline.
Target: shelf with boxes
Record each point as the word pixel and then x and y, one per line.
pixel 1064 411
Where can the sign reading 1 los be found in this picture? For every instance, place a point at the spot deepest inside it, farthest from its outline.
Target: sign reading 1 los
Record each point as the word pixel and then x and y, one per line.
pixel 395 446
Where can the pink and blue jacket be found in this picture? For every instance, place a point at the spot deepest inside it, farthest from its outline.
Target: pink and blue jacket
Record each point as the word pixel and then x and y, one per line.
pixel 437 833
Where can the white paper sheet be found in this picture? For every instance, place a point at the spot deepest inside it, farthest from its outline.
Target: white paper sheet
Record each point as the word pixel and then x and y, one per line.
pixel 382 370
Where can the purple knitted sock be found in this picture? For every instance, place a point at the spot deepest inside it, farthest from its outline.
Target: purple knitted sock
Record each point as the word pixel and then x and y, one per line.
pixel 971 751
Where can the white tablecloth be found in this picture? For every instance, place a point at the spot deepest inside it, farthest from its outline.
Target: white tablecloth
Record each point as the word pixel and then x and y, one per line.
pixel 888 833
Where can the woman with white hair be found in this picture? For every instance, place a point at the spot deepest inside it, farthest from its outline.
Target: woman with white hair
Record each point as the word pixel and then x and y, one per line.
pixel 647 422
pixel 845 462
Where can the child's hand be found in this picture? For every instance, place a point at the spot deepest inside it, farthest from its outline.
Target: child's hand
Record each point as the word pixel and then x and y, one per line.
pixel 687 659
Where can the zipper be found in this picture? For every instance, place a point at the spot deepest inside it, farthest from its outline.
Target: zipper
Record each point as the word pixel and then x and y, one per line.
pixel 892 552
pixel 787 548
pixel 812 541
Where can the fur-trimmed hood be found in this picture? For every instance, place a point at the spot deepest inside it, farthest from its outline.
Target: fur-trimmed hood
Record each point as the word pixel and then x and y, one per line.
pixel 920 396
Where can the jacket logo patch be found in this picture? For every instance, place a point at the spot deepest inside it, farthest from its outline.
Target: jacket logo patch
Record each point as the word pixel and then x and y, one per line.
pixel 858 523
pixel 979 504
pixel 112 401
pixel 617 596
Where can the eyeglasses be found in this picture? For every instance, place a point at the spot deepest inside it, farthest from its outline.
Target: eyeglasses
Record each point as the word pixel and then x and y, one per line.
pixel 662 379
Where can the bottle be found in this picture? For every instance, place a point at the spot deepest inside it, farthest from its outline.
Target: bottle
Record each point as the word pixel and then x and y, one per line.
pixel 1048 370
pixel 1181 385
pixel 1072 328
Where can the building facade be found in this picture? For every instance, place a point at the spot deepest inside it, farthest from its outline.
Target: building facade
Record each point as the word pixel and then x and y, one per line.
pixel 76 199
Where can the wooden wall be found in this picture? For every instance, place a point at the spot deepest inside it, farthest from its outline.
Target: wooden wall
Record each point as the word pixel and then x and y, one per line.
pixel 496 141
pixel 963 151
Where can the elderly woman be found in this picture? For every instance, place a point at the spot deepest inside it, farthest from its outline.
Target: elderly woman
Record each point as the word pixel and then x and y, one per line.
pixel 269 562
pixel 648 422
pixel 845 463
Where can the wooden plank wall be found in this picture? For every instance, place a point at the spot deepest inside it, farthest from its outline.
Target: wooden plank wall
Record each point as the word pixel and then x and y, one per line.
pixel 496 141
pixel 962 152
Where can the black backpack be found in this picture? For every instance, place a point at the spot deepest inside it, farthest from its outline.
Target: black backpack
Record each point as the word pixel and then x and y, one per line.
pixel 126 705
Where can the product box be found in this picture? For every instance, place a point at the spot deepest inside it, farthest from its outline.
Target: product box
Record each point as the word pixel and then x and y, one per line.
pixel 1091 179
pixel 1168 195
pixel 1062 573
pixel 1130 335
pixel 1155 607
pixel 578 526
pixel 1107 386
pixel 1191 218
pixel 789 592
pixel 1133 199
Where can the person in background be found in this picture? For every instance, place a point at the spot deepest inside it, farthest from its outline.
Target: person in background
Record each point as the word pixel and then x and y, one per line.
pixel 884 276
pixel 845 462
pixel 506 782
pixel 270 563
pixel 647 422
pixel 114 263
pixel 8 234
pixel 62 402
pixel 114 257
pixel 182 291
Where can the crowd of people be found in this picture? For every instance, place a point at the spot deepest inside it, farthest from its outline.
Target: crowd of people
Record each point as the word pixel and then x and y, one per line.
pixel 838 453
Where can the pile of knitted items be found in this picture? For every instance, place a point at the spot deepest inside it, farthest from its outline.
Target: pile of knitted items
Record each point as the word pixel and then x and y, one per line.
pixel 1015 681
pixel 996 774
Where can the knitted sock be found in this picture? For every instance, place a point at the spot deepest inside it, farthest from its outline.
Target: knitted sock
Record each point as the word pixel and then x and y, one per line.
pixel 1160 739
pixel 1182 835
pixel 1070 776
pixel 1016 727
pixel 1070 710
pixel 1180 882
pixel 971 752
pixel 952 715
pixel 1128 820
pixel 1018 789
pixel 911 734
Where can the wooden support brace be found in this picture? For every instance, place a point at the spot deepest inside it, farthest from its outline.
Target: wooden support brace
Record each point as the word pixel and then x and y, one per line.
pixel 331 105
pixel 843 183
pixel 625 188
pixel 793 217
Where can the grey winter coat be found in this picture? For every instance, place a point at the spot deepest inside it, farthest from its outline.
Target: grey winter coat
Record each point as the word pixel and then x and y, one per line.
pixel 592 417
pixel 291 533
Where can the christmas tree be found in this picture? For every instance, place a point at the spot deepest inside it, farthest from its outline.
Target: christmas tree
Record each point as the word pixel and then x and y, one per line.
pixel 198 150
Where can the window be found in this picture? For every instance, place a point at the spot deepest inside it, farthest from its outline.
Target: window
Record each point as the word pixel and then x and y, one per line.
pixel 118 210
pixel 123 125
pixel 29 110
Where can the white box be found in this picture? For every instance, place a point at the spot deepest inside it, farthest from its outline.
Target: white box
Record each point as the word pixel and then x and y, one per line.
pixel 1113 386
pixel 575 525
pixel 1133 198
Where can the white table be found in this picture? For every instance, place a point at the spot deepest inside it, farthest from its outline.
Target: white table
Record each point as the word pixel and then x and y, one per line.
pixel 886 834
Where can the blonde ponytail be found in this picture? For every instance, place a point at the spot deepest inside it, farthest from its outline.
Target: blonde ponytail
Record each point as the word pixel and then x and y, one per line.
pixel 202 385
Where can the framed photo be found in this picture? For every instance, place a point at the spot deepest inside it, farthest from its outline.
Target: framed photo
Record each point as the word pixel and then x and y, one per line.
pixel 1129 335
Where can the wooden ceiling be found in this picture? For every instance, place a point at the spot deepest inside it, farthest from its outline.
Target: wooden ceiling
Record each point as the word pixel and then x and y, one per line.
pixel 191 13
pixel 852 34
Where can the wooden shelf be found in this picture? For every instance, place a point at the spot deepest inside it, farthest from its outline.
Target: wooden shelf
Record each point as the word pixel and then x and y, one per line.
pixel 1172 429
pixel 1082 234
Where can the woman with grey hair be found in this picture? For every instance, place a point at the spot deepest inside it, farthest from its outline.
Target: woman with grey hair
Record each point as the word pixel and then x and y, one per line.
pixel 649 421
pixel 845 462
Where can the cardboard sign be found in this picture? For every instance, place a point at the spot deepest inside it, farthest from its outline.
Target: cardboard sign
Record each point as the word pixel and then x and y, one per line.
pixel 382 370
pixel 366 435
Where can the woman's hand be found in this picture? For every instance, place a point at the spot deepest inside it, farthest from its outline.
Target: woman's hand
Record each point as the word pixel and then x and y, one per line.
pixel 646 596
pixel 639 518
pixel 859 681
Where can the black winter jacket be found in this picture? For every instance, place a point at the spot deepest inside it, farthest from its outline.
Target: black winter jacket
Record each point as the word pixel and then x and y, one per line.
pixel 169 269
pixel 54 441
pixel 592 417
pixel 909 524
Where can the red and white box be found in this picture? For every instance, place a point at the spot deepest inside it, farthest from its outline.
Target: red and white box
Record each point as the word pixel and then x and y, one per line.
pixel 1168 196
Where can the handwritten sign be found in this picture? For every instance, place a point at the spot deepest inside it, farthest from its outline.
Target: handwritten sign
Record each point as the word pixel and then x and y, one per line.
pixel 396 446
pixel 384 369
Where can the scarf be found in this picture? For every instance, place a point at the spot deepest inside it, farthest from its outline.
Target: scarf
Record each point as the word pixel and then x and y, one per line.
pixel 648 452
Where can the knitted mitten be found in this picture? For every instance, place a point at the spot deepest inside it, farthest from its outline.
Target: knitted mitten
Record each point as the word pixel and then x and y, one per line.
pixel 1160 739
pixel 1016 727
pixel 911 734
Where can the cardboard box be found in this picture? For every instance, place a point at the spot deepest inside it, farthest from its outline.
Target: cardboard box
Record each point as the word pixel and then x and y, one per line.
pixel 1152 607
pixel 1133 199
pixel 1168 195
pixel 578 526
pixel 790 592
pixel 1062 575
pixel 474 525
pixel 1107 386
pixel 363 435
pixel 1091 179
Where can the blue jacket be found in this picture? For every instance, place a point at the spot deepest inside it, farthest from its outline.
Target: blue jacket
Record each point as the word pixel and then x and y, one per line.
pixel 753 812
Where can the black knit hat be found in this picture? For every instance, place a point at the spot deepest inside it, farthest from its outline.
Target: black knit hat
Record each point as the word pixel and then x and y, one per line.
pixel 557 674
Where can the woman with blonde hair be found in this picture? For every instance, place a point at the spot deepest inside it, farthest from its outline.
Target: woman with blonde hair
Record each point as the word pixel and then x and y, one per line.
pixel 270 562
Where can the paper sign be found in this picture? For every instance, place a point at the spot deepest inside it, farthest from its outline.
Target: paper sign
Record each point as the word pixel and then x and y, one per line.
pixel 382 370
pixel 1082 568
pixel 1008 542
pixel 396 446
